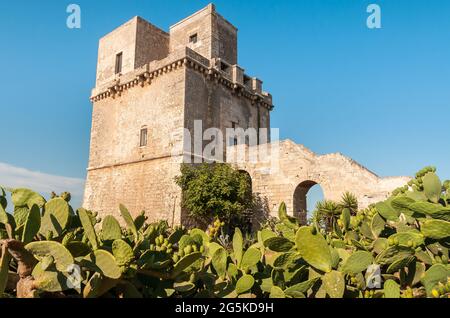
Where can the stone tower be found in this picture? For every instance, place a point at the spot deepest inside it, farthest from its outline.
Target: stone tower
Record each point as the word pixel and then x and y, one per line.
pixel 152 86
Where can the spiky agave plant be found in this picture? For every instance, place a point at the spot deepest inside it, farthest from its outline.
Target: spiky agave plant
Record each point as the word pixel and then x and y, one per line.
pixel 327 213
pixel 349 201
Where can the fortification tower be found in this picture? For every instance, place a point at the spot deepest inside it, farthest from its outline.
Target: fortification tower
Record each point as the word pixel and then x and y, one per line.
pixel 150 86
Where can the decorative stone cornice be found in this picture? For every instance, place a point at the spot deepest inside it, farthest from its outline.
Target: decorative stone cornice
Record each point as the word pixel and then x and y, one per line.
pixel 144 76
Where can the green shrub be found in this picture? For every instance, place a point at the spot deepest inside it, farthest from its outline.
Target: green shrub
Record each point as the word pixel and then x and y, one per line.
pixel 216 191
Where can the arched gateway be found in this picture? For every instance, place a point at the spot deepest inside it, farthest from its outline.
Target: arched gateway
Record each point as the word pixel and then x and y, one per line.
pixel 294 170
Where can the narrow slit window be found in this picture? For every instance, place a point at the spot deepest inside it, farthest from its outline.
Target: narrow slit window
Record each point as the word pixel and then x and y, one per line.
pixel 143 138
pixel 119 63
pixel 193 38
pixel 234 141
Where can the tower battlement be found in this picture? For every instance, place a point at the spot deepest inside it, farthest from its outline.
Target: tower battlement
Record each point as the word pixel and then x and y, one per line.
pixel 138 51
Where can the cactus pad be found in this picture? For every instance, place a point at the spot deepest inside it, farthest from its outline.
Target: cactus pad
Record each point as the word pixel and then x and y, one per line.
pixel 313 248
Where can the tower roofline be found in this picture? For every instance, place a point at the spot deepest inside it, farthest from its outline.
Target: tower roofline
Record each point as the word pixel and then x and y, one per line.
pixel 210 8
pixel 135 18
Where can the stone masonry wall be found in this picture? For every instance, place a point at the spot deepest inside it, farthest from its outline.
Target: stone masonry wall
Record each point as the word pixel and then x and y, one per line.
pixel 166 83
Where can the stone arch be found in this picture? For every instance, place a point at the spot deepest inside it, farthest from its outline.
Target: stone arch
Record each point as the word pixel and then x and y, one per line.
pixel 299 199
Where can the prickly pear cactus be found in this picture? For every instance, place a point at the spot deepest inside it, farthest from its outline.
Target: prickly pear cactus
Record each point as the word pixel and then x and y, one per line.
pixel 398 248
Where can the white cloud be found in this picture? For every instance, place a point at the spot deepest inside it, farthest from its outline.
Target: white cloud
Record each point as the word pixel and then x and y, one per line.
pixel 43 183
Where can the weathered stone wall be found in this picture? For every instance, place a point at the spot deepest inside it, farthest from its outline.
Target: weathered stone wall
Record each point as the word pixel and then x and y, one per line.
pixel 122 39
pixel 144 186
pixel 218 106
pixel 152 43
pixel 216 37
pixel 166 84
pixel 120 171
pixel 290 166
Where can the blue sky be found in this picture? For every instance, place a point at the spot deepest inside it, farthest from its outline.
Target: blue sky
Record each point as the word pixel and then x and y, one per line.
pixel 381 96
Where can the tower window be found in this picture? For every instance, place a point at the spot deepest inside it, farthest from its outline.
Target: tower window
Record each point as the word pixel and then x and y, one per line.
pixel 143 137
pixel 234 141
pixel 119 63
pixel 193 38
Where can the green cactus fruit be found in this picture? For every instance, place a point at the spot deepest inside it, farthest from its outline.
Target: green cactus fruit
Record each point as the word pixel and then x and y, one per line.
pixel 41 249
pixel 386 211
pixel 276 292
pixel 185 241
pixel 357 262
pixel 103 262
pixel 334 284
pixel 98 285
pixel 32 224
pixel 238 246
pixel 26 197
pixel 279 244
pixel 250 258
pixel 88 227
pixel 4 268
pixel 56 217
pixel 435 274
pixel 244 284
pixel 435 229
pixel 432 187
pixel 122 252
pixel 188 250
pixel 175 258
pixel 314 249
pixel 391 289
pixel 219 261
pixel 111 229
pixel 185 262
pixel 128 220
